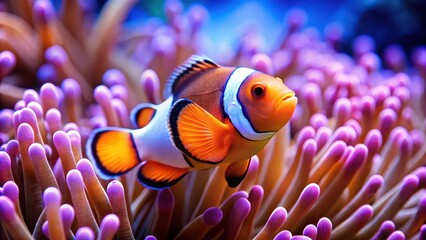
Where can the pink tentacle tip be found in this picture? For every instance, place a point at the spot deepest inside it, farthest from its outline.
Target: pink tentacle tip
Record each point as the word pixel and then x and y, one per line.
pixel 173 8
pixel 422 232
pixel 278 216
pixel 356 159
pixel 198 15
pixel 151 85
pixel 363 214
pixel 310 231
pixel 56 55
pixel 67 213
pixel 370 61
pixel 239 212
pixel 373 184
pixel 386 228
pixel 296 18
pixel 43 11
pixel 5 161
pixel 324 227
pixel 283 235
pixel 212 216
pixel 74 136
pixel 367 105
pixel 318 120
pixel 254 164
pixel 52 197
pixel 102 94
pixel 71 88
pixel 421 174
pixel 312 91
pixel 305 134
pixel 150 237
pixel 74 180
pixel 7 209
pixel 6 116
pixel 409 185
pixel 113 77
pixel 309 148
pixel 115 188
pixel 28 116
pixel 256 193
pixel 85 167
pixel 397 235
pixel 165 200
pixel 393 103
pixel 36 108
pixel 69 127
pixel 48 92
pixel 30 95
pixel 45 229
pixel 323 135
pixel 11 190
pixel 394 55
pixel 61 140
pixel 119 92
pixel 164 45
pixel 363 44
pixel 25 133
pixel 53 118
pixel 84 233
pixel 37 152
pixel 7 62
pixel 47 73
pixel 387 119
pixel 309 194
pixel 343 107
pixel 109 225
pixel 262 62
pixel 373 141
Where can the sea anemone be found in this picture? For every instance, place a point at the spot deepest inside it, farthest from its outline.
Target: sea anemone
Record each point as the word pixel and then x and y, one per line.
pixel 349 165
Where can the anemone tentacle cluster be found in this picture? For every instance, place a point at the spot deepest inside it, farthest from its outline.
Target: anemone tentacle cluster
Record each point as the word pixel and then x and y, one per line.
pixel 350 165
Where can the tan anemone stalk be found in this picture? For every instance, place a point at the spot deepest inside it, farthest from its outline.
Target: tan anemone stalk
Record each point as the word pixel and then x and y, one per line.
pixel 350 165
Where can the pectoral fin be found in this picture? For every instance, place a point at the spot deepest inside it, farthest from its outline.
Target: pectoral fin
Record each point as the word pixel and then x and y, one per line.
pixel 197 133
pixel 157 176
pixel 236 172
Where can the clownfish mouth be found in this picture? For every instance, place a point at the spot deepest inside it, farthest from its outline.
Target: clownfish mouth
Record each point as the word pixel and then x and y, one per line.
pixel 288 97
pixel 286 103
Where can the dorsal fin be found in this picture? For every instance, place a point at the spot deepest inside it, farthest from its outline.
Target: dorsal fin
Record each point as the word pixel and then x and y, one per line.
pixel 193 65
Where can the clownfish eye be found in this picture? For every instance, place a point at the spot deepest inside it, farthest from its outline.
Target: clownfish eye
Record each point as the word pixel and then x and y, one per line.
pixel 258 90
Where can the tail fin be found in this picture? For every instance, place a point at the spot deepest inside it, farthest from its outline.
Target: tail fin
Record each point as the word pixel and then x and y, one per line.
pixel 112 151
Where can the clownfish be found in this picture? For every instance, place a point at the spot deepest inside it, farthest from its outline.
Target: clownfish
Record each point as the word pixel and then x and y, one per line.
pixel 214 115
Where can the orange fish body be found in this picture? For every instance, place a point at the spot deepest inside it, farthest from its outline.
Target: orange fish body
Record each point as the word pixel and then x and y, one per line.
pixel 214 115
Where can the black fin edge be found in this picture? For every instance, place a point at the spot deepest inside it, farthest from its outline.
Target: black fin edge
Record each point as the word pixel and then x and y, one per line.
pixel 186 68
pixel 94 158
pixel 156 184
pixel 136 111
pixel 234 181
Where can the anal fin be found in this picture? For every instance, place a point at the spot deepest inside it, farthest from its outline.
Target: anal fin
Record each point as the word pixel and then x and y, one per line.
pixel 157 175
pixel 142 114
pixel 112 151
pixel 236 172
